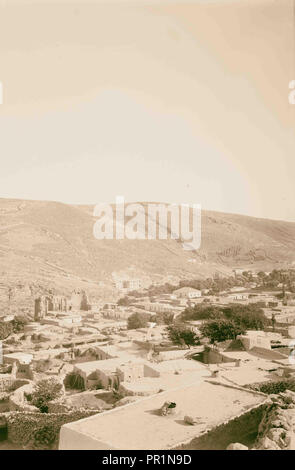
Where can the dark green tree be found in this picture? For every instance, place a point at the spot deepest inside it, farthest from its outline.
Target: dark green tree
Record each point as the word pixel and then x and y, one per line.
pixel 124 301
pixel 221 330
pixel 5 330
pixel 182 335
pixel 18 323
pixel 138 320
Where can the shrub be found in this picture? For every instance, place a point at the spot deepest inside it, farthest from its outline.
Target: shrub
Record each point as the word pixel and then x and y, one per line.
pixel 74 381
pixel 273 387
pixel 124 301
pixel 45 391
pixel 201 312
pixel 249 317
pixel 5 330
pixel 45 437
pixel 165 318
pixel 138 320
pixel 18 323
pixel 182 335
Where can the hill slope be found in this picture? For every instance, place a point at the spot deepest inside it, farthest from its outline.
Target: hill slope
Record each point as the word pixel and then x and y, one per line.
pixel 47 245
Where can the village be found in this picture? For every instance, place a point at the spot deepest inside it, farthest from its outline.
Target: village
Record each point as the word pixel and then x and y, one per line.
pixel 198 368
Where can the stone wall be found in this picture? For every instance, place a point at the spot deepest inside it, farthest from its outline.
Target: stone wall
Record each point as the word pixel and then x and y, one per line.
pixel 275 431
pixel 6 382
pixel 268 426
pixel 17 400
pixel 23 426
pixel 210 356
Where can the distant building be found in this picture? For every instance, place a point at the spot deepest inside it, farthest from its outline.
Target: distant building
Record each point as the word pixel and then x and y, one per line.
pixel 187 292
pixel 108 373
pixel 238 271
pixel 255 339
pixel 239 296
pixel 117 314
pixel 18 357
pixel 158 307
pixel 237 289
pixel 127 284
pixel 62 319
pixel 7 318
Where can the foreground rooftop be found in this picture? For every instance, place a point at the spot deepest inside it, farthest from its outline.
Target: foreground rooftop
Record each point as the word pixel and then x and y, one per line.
pixel 139 426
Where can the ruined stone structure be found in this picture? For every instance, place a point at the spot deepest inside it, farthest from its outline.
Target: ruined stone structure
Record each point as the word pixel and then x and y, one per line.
pixel 47 303
pixel 79 300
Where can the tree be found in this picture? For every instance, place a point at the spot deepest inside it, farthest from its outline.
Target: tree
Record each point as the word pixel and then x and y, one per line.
pixel 221 330
pixel 168 318
pixel 163 318
pixel 45 437
pixel 201 312
pixel 249 317
pixel 273 321
pixel 262 277
pixel 138 320
pixel 5 330
pixel 182 335
pixel 45 391
pixel 124 301
pixel 18 323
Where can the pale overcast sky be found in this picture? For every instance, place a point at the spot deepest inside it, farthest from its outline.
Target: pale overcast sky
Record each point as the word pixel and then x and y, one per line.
pixel 157 101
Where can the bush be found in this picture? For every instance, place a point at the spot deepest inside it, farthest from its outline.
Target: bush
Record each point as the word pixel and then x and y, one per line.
pixel 138 320
pixel 165 318
pixel 74 381
pixel 45 391
pixel 18 323
pixel 45 437
pixel 273 387
pixel 125 301
pixel 182 335
pixel 201 312
pixel 5 330
pixel 248 316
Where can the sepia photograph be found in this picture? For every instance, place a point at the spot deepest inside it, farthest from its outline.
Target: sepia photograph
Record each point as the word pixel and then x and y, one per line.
pixel 147 228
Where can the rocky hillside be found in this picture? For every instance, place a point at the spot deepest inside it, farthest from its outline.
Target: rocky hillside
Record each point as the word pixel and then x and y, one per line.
pixel 50 245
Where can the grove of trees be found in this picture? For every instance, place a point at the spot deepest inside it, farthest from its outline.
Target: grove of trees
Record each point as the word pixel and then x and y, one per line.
pixel 182 335
pixel 226 322
pixel 221 330
pixel 138 320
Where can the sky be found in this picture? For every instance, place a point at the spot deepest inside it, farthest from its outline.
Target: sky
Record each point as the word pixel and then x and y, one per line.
pixel 183 102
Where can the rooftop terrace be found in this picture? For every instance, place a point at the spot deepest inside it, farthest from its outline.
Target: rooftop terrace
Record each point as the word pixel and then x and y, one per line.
pixel 139 426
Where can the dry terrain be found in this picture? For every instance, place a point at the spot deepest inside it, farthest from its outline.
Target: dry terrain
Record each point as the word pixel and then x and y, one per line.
pixel 50 245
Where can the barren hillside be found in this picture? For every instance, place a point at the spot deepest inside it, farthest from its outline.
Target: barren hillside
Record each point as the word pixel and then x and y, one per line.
pixel 50 245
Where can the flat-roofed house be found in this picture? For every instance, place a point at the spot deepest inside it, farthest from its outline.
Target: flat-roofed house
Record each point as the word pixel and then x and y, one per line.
pixel 187 292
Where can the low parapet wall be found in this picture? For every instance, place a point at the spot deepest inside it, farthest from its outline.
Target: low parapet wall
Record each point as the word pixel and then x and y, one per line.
pixel 243 429
pixel 212 356
pixel 8 382
pixel 17 400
